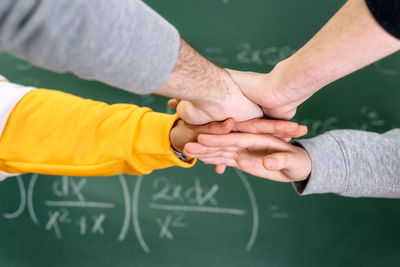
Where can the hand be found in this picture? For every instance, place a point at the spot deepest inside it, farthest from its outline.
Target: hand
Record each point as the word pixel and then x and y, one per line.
pixel 260 155
pixel 284 130
pixel 270 91
pixel 209 92
pixel 183 133
pixel 232 103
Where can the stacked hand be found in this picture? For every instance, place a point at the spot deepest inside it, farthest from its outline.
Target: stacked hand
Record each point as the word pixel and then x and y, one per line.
pixel 211 95
pixel 261 155
pixel 257 146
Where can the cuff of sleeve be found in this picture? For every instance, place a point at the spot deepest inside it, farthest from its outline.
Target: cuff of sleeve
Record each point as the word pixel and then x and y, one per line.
pixel 10 95
pixel 152 148
pixel 329 170
pixel 154 50
pixel 4 175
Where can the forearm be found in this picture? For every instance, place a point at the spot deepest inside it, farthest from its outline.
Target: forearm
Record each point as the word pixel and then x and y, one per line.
pixel 194 78
pixel 353 163
pixel 122 43
pixel 51 132
pixel 351 40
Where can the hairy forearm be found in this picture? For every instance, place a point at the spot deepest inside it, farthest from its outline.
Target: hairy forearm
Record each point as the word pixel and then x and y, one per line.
pixel 194 78
pixel 351 40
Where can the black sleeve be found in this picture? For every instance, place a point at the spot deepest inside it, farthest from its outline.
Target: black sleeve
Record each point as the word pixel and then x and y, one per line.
pixel 387 13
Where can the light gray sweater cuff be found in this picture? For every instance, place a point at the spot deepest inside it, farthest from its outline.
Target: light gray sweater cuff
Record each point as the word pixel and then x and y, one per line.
pixel 122 43
pixel 353 163
pixel 329 172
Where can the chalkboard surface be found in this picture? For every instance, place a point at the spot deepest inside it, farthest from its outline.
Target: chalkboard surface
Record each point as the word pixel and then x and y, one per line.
pixel 179 217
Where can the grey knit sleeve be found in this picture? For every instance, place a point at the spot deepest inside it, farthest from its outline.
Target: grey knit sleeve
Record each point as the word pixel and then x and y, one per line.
pixel 353 163
pixel 122 43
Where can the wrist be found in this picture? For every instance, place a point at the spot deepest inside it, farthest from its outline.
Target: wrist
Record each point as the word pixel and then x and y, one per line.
pixel 174 136
pixel 294 75
pixel 181 134
pixel 194 78
pixel 220 89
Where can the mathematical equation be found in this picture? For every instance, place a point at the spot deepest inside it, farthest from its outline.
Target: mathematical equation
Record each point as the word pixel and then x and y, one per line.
pixel 65 205
pixel 247 54
pixel 269 56
pixel 370 119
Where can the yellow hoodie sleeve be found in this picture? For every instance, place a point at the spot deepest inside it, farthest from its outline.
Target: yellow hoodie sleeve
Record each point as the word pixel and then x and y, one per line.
pixel 51 132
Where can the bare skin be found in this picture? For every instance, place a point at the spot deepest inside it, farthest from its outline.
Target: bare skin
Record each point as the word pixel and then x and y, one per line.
pixel 183 133
pixel 208 91
pixel 350 40
pixel 260 155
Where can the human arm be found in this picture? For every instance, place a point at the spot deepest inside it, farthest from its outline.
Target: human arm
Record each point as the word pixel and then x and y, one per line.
pixel 350 40
pixel 125 44
pixel 116 42
pixel 346 162
pixel 353 163
pixel 51 132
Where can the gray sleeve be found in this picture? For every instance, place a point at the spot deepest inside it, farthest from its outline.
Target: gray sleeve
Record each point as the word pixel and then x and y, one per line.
pixel 123 43
pixel 353 163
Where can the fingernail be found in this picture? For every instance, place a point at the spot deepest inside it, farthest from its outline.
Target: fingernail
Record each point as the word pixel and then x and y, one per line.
pixel 271 163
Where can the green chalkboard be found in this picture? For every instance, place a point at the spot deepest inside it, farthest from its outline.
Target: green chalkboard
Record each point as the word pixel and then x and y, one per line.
pixel 179 217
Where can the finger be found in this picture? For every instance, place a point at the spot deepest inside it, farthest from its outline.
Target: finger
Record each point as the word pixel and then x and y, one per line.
pixel 192 114
pixel 276 127
pixel 219 161
pixel 199 149
pixel 217 127
pixel 173 103
pixel 219 154
pixel 243 140
pixel 220 169
pixel 196 148
pixel 278 161
pixel 284 139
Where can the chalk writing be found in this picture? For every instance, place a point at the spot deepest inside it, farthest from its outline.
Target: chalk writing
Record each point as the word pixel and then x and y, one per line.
pixel 267 56
pixel 174 220
pixel 247 54
pixel 68 209
pixel 383 67
pixel 197 194
pixel 370 119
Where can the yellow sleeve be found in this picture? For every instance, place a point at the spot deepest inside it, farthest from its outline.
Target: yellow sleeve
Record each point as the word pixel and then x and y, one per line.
pixel 51 132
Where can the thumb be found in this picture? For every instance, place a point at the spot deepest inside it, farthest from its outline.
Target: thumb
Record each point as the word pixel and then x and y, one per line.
pixel 192 114
pixel 276 161
pixel 216 127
